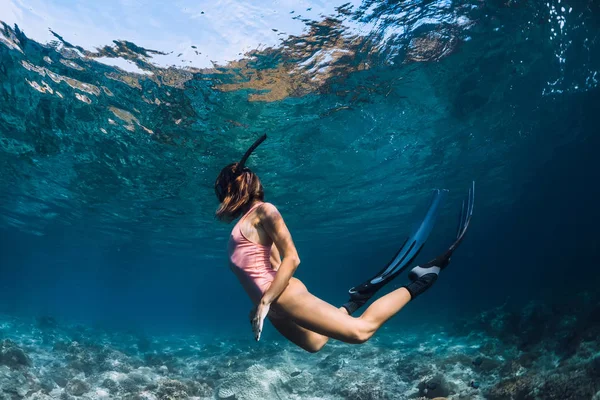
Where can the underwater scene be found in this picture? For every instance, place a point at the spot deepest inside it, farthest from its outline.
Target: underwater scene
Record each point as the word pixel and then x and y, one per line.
pixel 116 118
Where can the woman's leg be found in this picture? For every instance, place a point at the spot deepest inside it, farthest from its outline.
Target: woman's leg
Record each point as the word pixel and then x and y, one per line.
pixel 318 316
pixel 302 337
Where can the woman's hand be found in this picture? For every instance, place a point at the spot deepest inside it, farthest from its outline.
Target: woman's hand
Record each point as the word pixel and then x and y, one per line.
pixel 258 320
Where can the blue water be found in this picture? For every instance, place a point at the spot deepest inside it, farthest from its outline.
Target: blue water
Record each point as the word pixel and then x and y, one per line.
pixel 106 176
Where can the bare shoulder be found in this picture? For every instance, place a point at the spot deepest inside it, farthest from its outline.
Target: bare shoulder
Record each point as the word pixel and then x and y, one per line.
pixel 274 225
pixel 269 211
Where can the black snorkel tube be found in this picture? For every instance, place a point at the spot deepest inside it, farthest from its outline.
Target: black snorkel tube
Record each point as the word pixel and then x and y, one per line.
pixel 242 163
pixel 228 174
pixel 232 171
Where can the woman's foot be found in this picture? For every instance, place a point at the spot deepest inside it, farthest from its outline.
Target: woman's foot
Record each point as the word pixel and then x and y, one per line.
pixel 432 267
pixel 423 277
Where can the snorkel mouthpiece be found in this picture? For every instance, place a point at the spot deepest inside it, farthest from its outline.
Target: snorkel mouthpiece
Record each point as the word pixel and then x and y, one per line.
pixel 242 162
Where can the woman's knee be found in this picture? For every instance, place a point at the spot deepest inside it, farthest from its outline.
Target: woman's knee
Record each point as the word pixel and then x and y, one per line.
pixel 314 347
pixel 314 342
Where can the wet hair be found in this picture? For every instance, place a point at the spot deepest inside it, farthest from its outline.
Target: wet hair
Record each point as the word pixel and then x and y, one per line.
pixel 235 188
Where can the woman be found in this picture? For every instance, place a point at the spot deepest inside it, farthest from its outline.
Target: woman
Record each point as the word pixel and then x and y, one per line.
pixel 263 256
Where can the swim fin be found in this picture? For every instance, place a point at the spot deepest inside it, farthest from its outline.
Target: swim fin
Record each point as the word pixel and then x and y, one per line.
pixel 360 294
pixel 423 276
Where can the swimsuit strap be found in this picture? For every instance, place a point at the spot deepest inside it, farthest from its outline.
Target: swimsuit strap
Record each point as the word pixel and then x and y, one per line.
pixel 239 224
pixel 250 210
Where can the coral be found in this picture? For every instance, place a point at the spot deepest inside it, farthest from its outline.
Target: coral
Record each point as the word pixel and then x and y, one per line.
pixel 77 387
pixel 486 364
pixel 172 390
pixel 520 388
pixel 17 382
pixel 160 359
pixel 47 384
pixel 111 360
pixel 13 356
pixel 411 370
pixel 163 369
pixel 140 377
pixel 60 376
pixel 145 395
pixel 436 386
pixel 226 393
pixel 129 385
pixel 111 385
pixel 38 396
pixel 365 392
pixel 572 385
pixel 201 389
pixel 80 358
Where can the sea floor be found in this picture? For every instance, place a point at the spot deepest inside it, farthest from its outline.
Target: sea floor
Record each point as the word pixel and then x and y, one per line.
pixel 539 352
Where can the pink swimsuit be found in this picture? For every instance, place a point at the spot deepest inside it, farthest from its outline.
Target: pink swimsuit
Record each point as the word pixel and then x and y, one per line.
pixel 251 262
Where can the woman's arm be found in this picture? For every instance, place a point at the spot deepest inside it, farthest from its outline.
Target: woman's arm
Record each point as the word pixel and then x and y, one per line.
pixel 273 224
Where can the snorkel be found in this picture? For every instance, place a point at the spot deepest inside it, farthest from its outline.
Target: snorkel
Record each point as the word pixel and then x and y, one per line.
pixel 251 149
pixel 231 172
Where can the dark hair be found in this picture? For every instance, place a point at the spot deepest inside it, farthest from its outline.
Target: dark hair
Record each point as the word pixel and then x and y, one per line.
pixel 235 189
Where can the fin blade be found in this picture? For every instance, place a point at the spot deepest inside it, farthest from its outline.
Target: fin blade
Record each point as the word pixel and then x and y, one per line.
pixel 411 246
pixel 465 217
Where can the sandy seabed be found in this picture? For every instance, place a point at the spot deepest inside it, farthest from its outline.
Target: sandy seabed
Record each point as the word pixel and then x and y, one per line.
pixel 538 352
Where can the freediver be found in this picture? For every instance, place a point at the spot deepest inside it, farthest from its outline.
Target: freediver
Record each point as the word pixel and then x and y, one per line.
pixel 263 256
